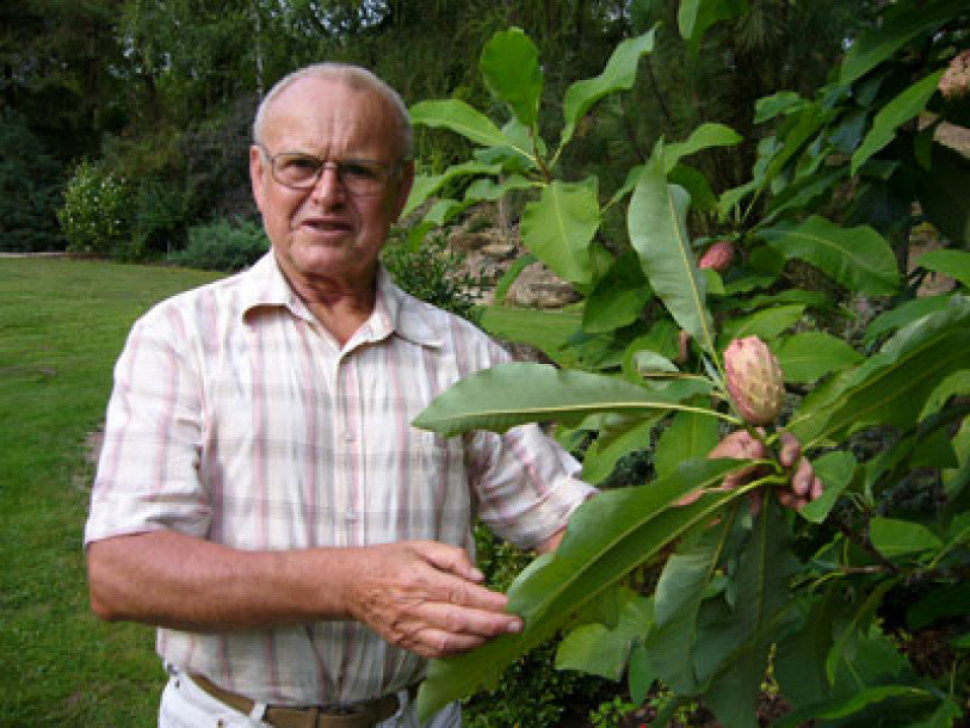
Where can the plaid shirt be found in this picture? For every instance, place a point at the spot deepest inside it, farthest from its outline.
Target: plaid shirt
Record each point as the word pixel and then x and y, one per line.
pixel 236 417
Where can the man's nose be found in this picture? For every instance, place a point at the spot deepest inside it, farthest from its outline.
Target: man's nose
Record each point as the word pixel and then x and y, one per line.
pixel 329 185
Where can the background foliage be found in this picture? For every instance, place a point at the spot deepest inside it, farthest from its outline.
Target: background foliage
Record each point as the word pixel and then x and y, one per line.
pixel 162 94
pixel 820 232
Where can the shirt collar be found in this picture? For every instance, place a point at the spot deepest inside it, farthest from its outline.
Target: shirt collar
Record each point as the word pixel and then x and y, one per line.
pixel 395 312
pixel 266 287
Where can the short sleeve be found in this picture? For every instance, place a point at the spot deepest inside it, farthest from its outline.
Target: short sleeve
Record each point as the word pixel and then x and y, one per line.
pixel 147 476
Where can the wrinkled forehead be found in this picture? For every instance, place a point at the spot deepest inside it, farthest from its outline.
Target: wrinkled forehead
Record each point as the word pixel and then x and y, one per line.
pixel 319 115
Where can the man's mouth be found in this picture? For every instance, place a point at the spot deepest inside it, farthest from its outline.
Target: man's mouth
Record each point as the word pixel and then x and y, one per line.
pixel 326 225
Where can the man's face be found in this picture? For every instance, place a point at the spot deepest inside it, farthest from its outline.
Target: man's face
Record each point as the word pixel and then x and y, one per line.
pixel 325 235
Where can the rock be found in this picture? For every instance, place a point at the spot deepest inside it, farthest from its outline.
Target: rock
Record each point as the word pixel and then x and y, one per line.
pixel 500 250
pixel 538 287
pixel 462 241
pixel 486 251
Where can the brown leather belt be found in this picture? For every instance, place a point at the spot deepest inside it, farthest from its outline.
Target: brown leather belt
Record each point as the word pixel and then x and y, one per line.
pixel 358 715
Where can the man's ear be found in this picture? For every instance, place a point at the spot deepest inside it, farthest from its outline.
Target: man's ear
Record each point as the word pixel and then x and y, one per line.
pixel 404 187
pixel 257 168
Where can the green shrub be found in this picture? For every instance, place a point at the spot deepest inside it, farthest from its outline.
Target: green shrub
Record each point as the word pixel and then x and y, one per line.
pixel 159 218
pixel 222 246
pixel 428 273
pixel 95 217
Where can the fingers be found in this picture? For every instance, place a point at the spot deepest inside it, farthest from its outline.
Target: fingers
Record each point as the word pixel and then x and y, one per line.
pixel 435 629
pixel 740 445
pixel 451 559
pixel 818 488
pixel 801 481
pixel 427 597
pixel 791 450
pixel 788 499
pixel 804 485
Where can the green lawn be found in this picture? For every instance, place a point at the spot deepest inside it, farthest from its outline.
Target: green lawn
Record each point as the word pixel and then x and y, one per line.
pixel 62 324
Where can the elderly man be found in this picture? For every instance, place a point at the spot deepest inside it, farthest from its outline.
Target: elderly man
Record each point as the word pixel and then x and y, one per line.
pixel 261 497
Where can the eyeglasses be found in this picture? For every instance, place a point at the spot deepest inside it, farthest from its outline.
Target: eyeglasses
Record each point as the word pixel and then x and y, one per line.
pixel 301 171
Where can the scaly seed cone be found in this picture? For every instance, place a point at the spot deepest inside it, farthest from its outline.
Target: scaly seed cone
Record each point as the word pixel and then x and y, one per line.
pixel 754 380
pixel 718 257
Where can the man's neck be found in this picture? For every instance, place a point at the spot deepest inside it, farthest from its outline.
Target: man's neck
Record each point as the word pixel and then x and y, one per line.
pixel 341 307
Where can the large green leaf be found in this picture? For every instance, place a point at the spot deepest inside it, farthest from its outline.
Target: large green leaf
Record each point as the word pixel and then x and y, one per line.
pixel 426 185
pixel 740 645
pixel 694 17
pixel 863 612
pixel 850 705
pixel 783 102
pixel 858 258
pixel 510 68
pixel 800 659
pixel 559 228
pixel 809 356
pixel 836 470
pixel 953 263
pixel 705 136
pixel 457 116
pixel 677 602
pixel 767 324
pixel 618 298
pixel 897 112
pixel 894 538
pixel 902 24
pixel 802 130
pixel 657 224
pixel 804 193
pixel 690 435
pixel 608 536
pixel 618 75
pixel 903 314
pixel 519 392
pixel 891 387
pixel 487 189
pixel 599 649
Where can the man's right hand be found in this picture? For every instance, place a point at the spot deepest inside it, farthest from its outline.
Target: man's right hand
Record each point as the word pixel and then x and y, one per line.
pixel 428 598
pixel 423 596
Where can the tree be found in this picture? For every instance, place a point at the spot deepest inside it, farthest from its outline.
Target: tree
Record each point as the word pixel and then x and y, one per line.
pixel 30 187
pixel 56 58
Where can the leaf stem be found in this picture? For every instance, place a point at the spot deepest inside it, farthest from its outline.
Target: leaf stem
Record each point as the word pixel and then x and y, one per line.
pixel 546 171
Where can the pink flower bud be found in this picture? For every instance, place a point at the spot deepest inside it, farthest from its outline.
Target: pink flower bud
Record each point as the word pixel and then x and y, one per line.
pixel 754 380
pixel 955 82
pixel 718 257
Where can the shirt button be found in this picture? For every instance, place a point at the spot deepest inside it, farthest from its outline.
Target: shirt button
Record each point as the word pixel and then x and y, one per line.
pixel 350 515
pixel 349 436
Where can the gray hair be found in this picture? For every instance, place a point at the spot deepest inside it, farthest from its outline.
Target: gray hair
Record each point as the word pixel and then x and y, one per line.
pixel 355 77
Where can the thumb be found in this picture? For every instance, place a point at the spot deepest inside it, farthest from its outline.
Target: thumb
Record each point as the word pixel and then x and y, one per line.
pixel 450 559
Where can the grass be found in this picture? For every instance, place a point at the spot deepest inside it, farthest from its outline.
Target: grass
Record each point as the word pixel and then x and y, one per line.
pixel 62 324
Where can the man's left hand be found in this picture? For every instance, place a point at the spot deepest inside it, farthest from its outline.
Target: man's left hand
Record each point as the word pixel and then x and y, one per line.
pixel 803 487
